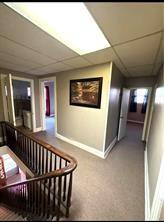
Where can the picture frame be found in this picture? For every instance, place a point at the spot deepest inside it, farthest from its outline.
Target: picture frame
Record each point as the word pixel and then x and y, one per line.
pixel 86 92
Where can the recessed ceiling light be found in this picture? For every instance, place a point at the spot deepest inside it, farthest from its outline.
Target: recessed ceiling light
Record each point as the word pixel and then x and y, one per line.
pixel 70 23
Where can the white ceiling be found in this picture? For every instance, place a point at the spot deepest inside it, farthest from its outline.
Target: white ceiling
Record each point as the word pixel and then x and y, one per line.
pixel 134 31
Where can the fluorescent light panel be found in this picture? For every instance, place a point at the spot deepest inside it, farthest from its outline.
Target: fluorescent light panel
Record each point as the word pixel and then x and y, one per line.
pixel 70 23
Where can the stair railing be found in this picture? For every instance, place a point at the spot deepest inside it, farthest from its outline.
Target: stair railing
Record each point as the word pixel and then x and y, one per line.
pixel 48 193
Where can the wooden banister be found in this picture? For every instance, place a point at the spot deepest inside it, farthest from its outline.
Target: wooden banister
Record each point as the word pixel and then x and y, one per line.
pixel 53 169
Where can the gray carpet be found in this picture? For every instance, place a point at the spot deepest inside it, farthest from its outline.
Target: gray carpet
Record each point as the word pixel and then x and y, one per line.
pixel 110 189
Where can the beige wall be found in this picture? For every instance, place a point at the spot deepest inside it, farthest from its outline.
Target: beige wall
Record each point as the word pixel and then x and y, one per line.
pixel 155 144
pixel 117 82
pixel 82 124
pixel 36 89
pixel 162 214
pixel 139 81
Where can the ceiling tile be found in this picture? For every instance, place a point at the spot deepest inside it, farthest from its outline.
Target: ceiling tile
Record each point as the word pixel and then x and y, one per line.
pixel 52 68
pixel 105 55
pixel 139 52
pixel 156 68
pixel 16 27
pixel 8 65
pixel 159 55
pixel 17 61
pixel 141 70
pixel 77 62
pixel 17 50
pixel 101 56
pixel 121 22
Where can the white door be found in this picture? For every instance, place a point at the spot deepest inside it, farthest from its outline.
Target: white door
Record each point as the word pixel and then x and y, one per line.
pixel 123 113
pixel 10 100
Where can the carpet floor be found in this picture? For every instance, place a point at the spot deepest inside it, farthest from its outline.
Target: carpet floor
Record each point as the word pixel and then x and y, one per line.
pixel 110 189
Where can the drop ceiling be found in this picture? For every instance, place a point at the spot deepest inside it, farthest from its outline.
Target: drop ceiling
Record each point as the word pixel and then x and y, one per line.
pixel 134 30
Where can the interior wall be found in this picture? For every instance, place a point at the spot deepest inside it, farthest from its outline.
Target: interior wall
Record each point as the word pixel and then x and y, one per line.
pixel 162 214
pixel 138 82
pixel 155 144
pixel 36 89
pixel 117 82
pixel 51 89
pixel 82 124
pixel 138 115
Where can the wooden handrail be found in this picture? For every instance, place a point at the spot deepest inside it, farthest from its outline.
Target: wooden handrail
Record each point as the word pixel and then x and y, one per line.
pixel 32 151
pixel 46 145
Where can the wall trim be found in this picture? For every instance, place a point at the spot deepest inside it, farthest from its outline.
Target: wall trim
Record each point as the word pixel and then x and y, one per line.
pixel 81 145
pixel 107 151
pixel 135 121
pixel 147 194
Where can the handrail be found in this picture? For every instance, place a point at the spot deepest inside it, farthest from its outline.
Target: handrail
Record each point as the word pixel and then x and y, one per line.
pixel 29 153
pixel 46 145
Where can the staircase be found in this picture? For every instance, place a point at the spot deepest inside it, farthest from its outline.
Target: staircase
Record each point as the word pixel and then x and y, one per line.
pixel 9 215
pixel 46 196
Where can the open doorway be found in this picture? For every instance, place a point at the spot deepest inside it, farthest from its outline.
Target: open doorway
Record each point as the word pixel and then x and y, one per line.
pixel 134 112
pixel 48 105
pixel 22 104
pixel 138 104
pixel 18 102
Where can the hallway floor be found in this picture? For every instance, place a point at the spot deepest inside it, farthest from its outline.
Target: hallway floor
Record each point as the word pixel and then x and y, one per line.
pixel 110 189
pixel 50 121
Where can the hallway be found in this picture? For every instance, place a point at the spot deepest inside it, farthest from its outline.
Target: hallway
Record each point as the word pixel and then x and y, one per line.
pixel 110 189
pixel 50 125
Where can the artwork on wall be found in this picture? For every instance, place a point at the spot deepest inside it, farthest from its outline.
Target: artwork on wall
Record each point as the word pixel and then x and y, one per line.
pixel 86 92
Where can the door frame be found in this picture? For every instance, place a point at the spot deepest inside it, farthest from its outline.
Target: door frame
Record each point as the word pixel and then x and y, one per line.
pixel 143 138
pixel 31 81
pixel 41 92
pixel 5 108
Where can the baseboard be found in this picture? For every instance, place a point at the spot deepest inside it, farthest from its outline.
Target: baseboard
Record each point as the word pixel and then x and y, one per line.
pixel 110 147
pixel 147 195
pixel 81 145
pixel 134 121
pixel 38 129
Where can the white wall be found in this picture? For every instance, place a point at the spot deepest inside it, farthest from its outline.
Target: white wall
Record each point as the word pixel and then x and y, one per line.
pixel 155 144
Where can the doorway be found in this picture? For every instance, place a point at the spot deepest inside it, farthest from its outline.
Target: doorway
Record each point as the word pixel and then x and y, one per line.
pixel 18 101
pixel 48 105
pixel 134 112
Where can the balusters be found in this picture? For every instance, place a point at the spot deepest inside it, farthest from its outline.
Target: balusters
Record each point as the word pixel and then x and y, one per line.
pixel 69 195
pixel 39 164
pixel 65 185
pixel 59 197
pixel 42 160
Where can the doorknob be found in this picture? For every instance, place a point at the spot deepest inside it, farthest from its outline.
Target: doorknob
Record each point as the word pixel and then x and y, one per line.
pixel 121 117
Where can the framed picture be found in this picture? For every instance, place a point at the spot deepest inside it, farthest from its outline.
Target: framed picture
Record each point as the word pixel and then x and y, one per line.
pixel 86 92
